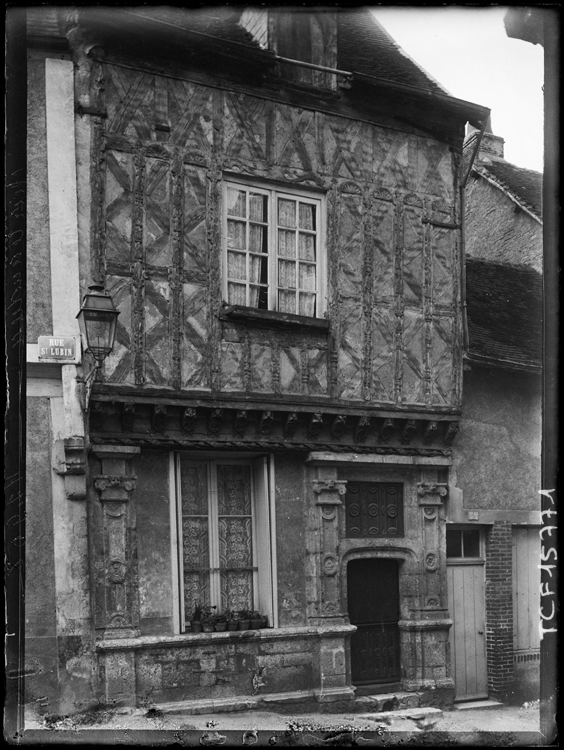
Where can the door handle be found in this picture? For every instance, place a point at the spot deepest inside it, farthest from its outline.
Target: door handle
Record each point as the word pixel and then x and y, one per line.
pixel 480 632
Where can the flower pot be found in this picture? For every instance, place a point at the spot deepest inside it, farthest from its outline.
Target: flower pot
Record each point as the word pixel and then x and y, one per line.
pixel 196 626
pixel 233 625
pixel 208 627
pixel 256 624
pixel 220 626
pixel 244 624
pixel 264 622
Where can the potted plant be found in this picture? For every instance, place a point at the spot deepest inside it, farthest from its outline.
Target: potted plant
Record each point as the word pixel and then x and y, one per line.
pixel 256 620
pixel 264 621
pixel 208 625
pixel 196 621
pixel 220 621
pixel 232 619
pixel 244 619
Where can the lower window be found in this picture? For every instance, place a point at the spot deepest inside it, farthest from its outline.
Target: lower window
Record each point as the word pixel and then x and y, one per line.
pixel 223 530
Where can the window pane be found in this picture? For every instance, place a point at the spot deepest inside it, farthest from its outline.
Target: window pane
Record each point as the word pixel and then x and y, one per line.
pixel 195 543
pixel 286 274
pixel 235 549
pixel 308 277
pixel 257 239
pixel 196 590
pixel 286 243
pixel 234 490
pixel 236 589
pixel 286 213
pixel 236 234
pixel 236 294
pixel 471 541
pixel 258 268
pixel 454 543
pixel 237 265
pixel 236 202
pixel 258 207
pixel 194 488
pixel 307 247
pixel 307 305
pixel 307 216
pixel 287 301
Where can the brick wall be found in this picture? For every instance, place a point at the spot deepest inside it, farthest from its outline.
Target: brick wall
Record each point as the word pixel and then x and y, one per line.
pixel 499 610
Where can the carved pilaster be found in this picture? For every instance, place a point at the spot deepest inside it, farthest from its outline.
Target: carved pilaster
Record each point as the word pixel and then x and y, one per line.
pixel 329 493
pixel 265 424
pixel 361 430
pixel 338 427
pixel 71 465
pixel 214 421
pixel 127 417
pixel 114 543
pixel 408 432
pixel 430 431
pixel 431 496
pixel 158 418
pixel 386 430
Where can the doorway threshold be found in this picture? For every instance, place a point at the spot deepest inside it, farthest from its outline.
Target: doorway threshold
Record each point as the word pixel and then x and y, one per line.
pixel 483 704
pixel 378 688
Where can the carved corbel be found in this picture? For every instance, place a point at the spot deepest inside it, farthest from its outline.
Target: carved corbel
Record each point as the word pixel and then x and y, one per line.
pixel 214 421
pixel 265 424
pixel 338 427
pixel 430 431
pixel 386 430
pixel 290 425
pixel 408 432
pixel 188 421
pixel 362 428
pixel 240 424
pixel 95 416
pixel 127 417
pixel 314 426
pixel 158 418
pixel 73 467
pixel 451 432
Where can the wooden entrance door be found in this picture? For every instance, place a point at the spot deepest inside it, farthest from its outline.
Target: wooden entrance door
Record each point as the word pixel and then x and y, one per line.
pixel 373 605
pixel 467 635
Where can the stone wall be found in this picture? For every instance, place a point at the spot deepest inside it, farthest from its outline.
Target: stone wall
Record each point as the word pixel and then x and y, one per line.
pixel 497 461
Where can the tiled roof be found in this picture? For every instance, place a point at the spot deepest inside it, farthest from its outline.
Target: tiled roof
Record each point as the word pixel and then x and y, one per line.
pixel 524 184
pixel 504 304
pixel 364 46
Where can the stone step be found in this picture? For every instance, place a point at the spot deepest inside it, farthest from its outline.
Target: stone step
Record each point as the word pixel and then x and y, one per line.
pixel 387 701
pixel 423 718
pixel 474 705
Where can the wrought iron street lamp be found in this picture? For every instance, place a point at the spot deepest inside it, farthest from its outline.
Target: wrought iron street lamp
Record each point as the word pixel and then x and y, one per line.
pixel 97 320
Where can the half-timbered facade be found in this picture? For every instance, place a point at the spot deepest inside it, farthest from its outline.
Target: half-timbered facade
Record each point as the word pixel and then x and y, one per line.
pixel 272 200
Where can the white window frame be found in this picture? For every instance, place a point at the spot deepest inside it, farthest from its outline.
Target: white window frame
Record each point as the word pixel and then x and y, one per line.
pixel 480 559
pixel 263 533
pixel 274 192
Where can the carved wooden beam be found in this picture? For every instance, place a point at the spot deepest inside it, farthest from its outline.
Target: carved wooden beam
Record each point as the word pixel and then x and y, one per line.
pixel 314 426
pixel 338 427
pixel 265 424
pixel 158 418
pixel 188 421
pixel 386 430
pixel 361 430
pixel 127 417
pixel 240 423
pixel 214 421
pixel 290 425
pixel 408 432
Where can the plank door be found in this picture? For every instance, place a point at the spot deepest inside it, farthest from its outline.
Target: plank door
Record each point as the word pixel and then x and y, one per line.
pixel 373 605
pixel 467 635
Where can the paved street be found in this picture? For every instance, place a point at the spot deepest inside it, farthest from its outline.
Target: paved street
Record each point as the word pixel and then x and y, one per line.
pixel 493 727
